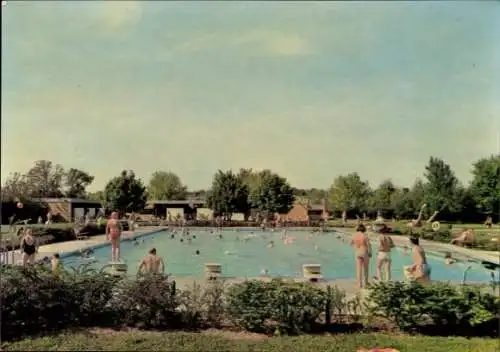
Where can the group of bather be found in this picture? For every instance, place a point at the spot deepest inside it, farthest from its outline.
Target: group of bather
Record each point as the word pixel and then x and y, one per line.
pixel 420 270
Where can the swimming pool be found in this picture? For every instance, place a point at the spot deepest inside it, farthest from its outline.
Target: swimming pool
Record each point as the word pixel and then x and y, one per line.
pixel 249 258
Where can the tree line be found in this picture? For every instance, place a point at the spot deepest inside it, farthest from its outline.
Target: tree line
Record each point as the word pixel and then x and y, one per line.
pixel 267 192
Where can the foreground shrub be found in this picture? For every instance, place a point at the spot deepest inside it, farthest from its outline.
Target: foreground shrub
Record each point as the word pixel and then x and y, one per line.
pixel 149 302
pixel 285 307
pixel 32 301
pixel 413 305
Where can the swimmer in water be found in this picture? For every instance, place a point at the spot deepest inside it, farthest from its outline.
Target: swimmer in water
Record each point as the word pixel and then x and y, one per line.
pixel 194 236
pixel 56 264
pixel 405 250
pixel 220 236
pixel 264 272
pixel 270 244
pixel 135 243
pixel 197 252
pixel 448 259
pixel 182 240
pixel 172 236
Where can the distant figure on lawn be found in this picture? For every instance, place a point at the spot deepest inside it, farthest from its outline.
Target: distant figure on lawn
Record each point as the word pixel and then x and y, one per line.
pixel 151 263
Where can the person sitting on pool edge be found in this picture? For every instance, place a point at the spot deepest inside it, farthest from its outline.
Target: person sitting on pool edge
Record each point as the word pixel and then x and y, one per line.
pixel 420 270
pixel 151 263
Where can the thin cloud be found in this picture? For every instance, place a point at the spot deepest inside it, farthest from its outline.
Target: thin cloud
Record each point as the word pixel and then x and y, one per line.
pixel 119 15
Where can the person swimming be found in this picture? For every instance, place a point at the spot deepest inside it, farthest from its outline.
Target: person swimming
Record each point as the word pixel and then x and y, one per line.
pixel 448 259
pixel 270 244
pixel 197 252
pixel 182 239
pixel 135 242
pixel 56 264
pixel 264 272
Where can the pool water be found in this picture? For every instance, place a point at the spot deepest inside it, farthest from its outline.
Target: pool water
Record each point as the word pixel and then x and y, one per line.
pixel 249 258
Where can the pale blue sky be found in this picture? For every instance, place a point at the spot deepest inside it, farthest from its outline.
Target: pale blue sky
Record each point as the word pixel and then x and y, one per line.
pixel 310 90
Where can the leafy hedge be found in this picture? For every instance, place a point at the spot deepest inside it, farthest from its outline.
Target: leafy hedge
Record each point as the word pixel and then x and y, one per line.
pixel 36 301
pixel 414 306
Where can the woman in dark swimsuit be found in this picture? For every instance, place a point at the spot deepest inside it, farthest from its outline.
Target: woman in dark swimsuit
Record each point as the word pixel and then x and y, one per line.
pixel 28 247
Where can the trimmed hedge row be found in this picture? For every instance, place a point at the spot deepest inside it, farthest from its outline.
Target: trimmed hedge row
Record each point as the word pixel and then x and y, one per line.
pixel 36 301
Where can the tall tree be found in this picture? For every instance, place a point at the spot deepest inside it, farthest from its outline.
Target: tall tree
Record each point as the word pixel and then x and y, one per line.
pixel 250 178
pixel 76 182
pixel 228 195
pixel 349 193
pixel 97 196
pixel 125 193
pixel 45 179
pixel 273 194
pixel 485 185
pixel 442 187
pixel 166 185
pixel 402 204
pixel 16 188
pixel 382 198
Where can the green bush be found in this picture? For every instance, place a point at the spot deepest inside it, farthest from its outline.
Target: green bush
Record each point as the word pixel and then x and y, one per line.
pixel 413 305
pixel 283 307
pixel 36 301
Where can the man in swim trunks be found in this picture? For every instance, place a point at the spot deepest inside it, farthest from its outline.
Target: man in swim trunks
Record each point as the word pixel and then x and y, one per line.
pixel 385 245
pixel 113 232
pixel 151 263
pixel 420 270
pixel 362 255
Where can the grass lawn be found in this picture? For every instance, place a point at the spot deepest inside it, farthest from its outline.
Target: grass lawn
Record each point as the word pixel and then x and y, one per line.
pixel 108 340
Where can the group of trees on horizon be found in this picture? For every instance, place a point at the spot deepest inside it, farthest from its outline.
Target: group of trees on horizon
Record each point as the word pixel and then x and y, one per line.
pixel 266 191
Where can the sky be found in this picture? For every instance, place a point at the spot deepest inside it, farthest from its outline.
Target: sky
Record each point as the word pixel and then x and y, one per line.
pixel 310 90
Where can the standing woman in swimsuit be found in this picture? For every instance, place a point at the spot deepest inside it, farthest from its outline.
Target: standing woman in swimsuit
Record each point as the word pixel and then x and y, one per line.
pixel 28 247
pixel 114 231
pixel 420 270
pixel 385 245
pixel 362 255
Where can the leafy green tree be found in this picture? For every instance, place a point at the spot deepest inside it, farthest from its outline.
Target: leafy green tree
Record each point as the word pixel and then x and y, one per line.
pixel 228 195
pixel 166 185
pixel 125 193
pixel 442 189
pixel 45 179
pixel 417 195
pixel 402 203
pixel 252 179
pixel 485 185
pixel 97 196
pixel 273 195
pixel 16 188
pixel 349 193
pixel 381 198
pixel 75 182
